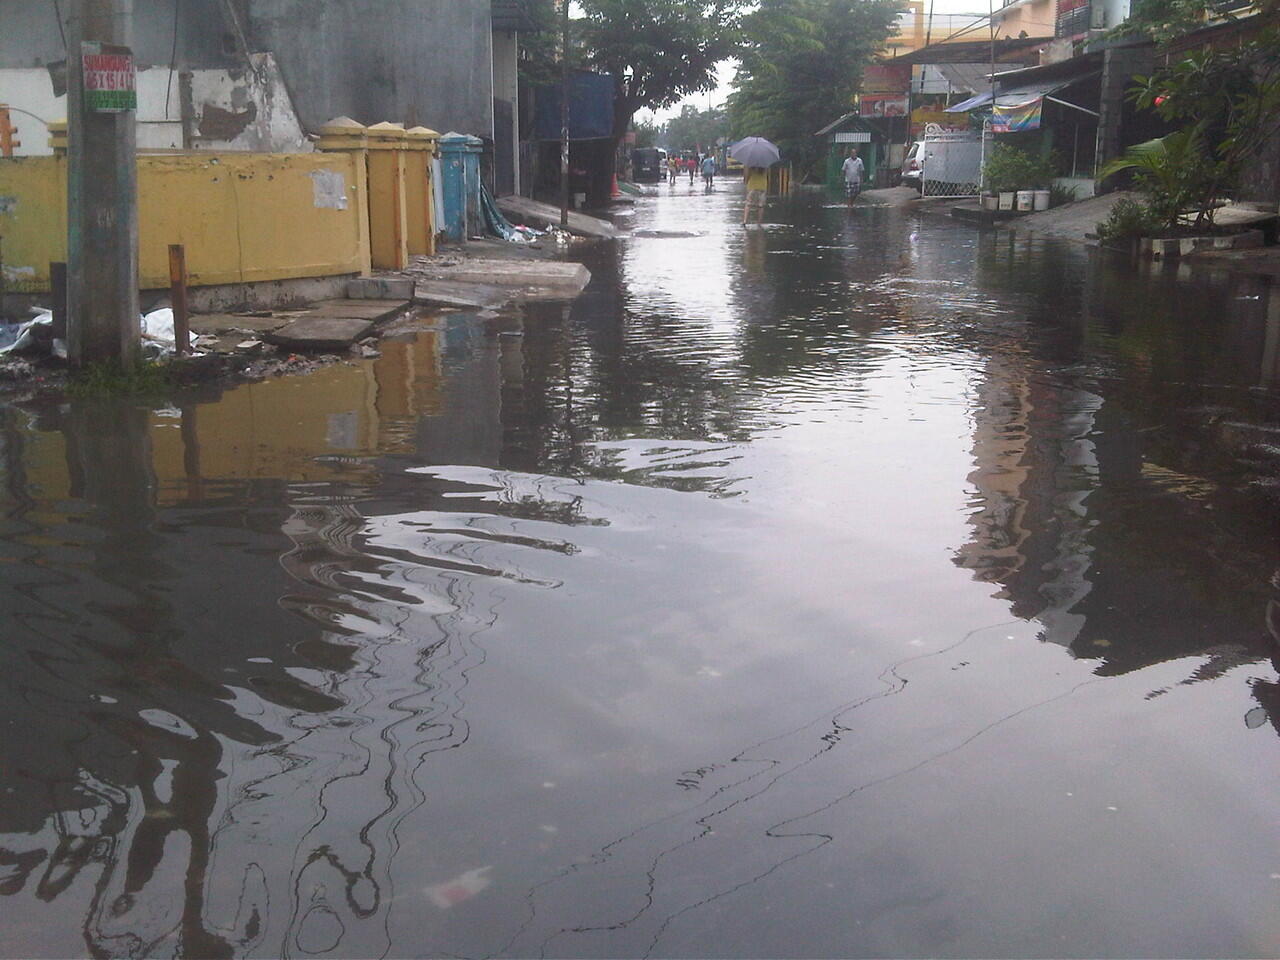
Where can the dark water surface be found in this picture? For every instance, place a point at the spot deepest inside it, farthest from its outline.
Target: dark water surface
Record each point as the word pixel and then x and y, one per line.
pixel 857 586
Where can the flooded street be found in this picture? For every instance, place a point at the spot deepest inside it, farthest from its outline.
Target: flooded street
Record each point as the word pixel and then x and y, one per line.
pixel 860 585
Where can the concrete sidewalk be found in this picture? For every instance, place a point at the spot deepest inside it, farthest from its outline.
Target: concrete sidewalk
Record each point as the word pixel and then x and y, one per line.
pixel 1071 221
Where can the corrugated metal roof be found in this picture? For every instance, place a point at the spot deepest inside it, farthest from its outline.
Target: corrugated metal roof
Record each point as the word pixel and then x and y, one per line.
pixel 971 51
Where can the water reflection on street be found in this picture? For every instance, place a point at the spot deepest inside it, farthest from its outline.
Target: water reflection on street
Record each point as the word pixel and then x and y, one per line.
pixel 858 585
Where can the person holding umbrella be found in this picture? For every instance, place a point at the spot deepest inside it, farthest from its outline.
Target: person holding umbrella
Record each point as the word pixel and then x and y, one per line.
pixel 757 183
pixel 757 155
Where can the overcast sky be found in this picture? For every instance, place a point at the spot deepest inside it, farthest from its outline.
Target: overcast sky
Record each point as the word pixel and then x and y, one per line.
pixel 725 70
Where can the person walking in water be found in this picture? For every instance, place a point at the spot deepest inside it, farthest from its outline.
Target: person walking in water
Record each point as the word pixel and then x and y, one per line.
pixel 691 165
pixel 757 184
pixel 853 171
pixel 709 171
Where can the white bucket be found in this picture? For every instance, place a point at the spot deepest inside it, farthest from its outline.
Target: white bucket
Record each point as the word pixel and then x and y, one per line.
pixel 1042 199
pixel 1006 200
pixel 1026 200
pixel 990 202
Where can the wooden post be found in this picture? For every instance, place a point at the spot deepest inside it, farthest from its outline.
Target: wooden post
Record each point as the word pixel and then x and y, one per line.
pixel 178 296
pixel 58 298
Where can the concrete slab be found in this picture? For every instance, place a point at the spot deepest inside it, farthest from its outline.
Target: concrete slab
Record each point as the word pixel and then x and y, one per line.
pixel 523 210
pixel 1071 221
pixel 449 293
pixel 216 323
pixel 533 279
pixel 372 310
pixel 973 212
pixel 380 288
pixel 320 333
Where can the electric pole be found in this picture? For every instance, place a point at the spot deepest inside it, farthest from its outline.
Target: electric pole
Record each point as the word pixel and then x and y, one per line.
pixel 564 114
pixel 102 185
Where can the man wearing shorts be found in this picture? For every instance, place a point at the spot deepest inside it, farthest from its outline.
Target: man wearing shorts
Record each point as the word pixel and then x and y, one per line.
pixel 853 171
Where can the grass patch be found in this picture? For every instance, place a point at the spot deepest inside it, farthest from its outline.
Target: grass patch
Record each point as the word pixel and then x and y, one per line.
pixel 145 379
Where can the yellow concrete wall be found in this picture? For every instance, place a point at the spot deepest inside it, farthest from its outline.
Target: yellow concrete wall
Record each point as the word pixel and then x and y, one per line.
pixel 33 221
pixel 243 217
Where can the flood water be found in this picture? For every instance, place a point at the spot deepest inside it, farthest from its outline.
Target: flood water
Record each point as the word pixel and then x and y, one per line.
pixel 860 585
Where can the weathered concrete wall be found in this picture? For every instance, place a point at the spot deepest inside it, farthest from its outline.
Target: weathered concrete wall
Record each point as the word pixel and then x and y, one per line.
pixel 416 62
pixel 243 217
pixel 229 109
pixel 29 35
pixel 1117 124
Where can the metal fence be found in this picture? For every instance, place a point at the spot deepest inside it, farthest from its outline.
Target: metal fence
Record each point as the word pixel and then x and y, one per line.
pixel 953 163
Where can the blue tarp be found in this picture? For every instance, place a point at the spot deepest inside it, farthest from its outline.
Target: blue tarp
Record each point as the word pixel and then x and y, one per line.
pixel 590 108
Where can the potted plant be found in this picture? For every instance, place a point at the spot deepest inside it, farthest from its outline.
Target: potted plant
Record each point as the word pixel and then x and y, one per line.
pixel 1004 170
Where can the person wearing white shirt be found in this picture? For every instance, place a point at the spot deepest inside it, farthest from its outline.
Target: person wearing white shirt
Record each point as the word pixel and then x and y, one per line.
pixel 853 172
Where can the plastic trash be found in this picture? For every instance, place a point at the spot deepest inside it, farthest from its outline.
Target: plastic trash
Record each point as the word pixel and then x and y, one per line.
pixel 157 327
pixel 461 888
pixel 33 335
pixel 500 226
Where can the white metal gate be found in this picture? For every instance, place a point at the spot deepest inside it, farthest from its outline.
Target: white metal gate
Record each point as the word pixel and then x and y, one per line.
pixel 952 165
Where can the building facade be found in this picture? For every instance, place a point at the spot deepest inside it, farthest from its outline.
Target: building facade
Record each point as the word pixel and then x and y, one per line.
pixel 267 74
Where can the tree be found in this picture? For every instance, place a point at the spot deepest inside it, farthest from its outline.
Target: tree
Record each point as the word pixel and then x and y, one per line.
pixel 1165 20
pixel 658 51
pixel 801 64
pixel 647 133
pixel 1225 105
pixel 695 128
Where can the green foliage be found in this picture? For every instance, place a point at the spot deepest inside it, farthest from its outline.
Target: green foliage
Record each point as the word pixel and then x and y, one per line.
pixel 646 132
pixel 1174 172
pixel 144 379
pixel 1060 195
pixel 801 64
pixel 1162 20
pixel 1009 168
pixel 1226 105
pixel 1165 20
pixel 539 48
pixel 658 51
pixel 1127 219
pixel 695 128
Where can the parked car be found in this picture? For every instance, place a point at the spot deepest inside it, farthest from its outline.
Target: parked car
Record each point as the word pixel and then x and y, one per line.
pixel 913 167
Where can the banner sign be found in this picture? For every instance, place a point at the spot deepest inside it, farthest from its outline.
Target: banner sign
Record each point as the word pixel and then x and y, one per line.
pixel 886 78
pixel 882 105
pixel 110 78
pixel 946 122
pixel 1024 116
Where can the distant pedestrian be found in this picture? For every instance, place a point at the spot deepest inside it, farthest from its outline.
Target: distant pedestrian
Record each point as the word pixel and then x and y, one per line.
pixel 691 165
pixel 853 171
pixel 709 170
pixel 757 184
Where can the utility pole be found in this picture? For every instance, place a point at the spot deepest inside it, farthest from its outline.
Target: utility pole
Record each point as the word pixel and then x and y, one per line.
pixel 102 185
pixel 564 114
